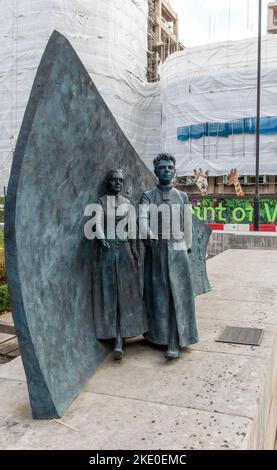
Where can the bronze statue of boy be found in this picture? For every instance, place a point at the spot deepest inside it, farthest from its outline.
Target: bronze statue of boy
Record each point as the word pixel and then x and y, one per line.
pixel 168 290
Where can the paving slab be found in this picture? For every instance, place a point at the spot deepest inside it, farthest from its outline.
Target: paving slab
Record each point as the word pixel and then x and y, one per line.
pixel 5 337
pixel 13 370
pixel 100 422
pixel 6 318
pixel 210 329
pixel 249 294
pixel 216 396
pixel 207 381
pixel 238 311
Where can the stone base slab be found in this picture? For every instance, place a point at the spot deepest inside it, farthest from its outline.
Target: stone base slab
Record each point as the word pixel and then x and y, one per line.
pixel 216 396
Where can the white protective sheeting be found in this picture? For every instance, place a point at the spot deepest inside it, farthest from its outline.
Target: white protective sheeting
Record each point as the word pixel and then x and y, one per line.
pixel 212 83
pixel 217 83
pixel 110 36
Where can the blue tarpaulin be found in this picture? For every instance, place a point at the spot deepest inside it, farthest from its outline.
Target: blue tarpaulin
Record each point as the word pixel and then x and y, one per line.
pixel 268 125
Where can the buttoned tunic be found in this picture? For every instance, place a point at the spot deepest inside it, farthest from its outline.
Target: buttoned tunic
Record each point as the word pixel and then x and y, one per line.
pixel 168 286
pixel 115 286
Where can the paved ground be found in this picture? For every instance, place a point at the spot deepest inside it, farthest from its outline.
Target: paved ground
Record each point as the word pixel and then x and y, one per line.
pixel 6 318
pixel 216 396
pixel 5 338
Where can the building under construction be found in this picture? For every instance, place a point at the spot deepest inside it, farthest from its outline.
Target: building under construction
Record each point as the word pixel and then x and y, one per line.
pixel 209 99
pixel 163 36
pixel 202 110
pixel 272 18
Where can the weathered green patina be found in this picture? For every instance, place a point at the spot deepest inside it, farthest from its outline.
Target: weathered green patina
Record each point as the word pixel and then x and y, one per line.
pixel 68 141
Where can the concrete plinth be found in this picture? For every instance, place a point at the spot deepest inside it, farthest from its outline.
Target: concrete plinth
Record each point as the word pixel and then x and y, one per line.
pixel 216 396
pixel 221 241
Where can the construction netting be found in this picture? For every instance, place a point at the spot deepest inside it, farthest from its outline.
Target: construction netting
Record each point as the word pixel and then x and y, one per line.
pixel 110 36
pixel 209 96
pixel 203 110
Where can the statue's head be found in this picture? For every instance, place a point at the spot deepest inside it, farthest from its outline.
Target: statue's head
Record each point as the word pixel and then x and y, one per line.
pixel 164 167
pixel 114 181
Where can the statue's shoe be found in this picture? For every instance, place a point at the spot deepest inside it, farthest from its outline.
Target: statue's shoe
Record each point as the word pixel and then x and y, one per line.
pixel 117 354
pixel 172 354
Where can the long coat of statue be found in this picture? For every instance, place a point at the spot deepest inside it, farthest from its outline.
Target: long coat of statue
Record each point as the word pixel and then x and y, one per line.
pixel 167 279
pixel 115 287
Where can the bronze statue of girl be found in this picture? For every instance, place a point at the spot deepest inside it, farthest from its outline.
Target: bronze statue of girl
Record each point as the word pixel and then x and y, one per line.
pixel 118 307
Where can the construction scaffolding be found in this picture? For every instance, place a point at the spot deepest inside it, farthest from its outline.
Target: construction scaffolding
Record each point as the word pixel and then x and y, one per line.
pixel 109 36
pixel 272 18
pixel 163 36
pixel 208 96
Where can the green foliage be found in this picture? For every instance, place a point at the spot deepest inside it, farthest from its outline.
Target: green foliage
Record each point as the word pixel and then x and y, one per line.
pixel 4 293
pixel 232 211
pixel 1 239
pixel 2 202
pixel 2 267
pixel 4 298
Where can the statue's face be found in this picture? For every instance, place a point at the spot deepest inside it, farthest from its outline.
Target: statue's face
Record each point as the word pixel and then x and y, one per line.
pixel 115 183
pixel 165 171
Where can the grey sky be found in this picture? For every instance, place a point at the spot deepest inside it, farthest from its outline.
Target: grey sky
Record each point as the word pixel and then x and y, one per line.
pixel 204 21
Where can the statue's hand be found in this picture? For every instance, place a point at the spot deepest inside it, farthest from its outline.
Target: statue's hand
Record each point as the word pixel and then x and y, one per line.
pixel 135 253
pixel 104 244
pixel 153 242
pixel 134 250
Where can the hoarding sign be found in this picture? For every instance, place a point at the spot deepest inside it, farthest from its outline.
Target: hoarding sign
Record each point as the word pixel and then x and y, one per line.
pixel 234 211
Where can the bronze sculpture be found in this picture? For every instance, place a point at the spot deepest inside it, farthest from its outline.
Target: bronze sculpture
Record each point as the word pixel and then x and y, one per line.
pixel 168 289
pixel 117 303
pixel 74 163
